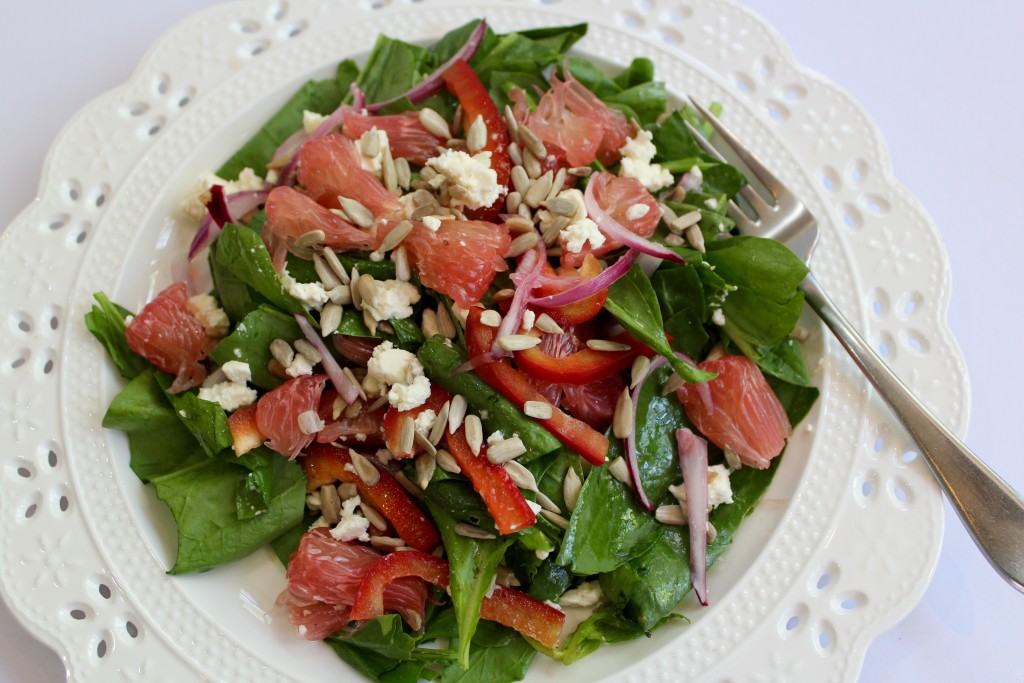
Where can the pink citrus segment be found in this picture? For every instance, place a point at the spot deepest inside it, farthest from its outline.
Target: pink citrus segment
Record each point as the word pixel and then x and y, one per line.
pixel 291 214
pixel 167 335
pixel 330 166
pixel 313 620
pixel 277 413
pixel 407 137
pixel 459 259
pixel 616 195
pixel 738 410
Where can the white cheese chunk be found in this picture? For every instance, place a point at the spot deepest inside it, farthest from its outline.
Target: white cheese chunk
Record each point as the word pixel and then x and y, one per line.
pixel 472 173
pixel 580 233
pixel 237 371
pixel 637 154
pixel 403 372
pixel 353 526
pixel 211 316
pixel 196 197
pixel 311 121
pixel 391 300
pixel 587 594
pixel 230 395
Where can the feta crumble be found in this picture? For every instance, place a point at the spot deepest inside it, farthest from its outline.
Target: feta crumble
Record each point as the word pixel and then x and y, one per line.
pixel 353 526
pixel 432 222
pixel 403 372
pixel 581 232
pixel 237 371
pixel 424 421
pixel 472 173
pixel 375 164
pixel 391 300
pixel 311 294
pixel 311 121
pixel 693 180
pixel 299 366
pixel 409 396
pixel 718 318
pixel 211 316
pixel 587 594
pixel 636 162
pixel 233 393
pixel 719 488
pixel 529 318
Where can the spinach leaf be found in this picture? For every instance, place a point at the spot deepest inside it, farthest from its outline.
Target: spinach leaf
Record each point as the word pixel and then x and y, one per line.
pixel 651 585
pixel 631 299
pixel 796 400
pixel 501 414
pixel 242 252
pixel 657 419
pixel 472 563
pixel 681 296
pixel 606 625
pixel 502 664
pixel 392 68
pixel 206 420
pixel 785 360
pixel 322 97
pixel 106 321
pixel 549 581
pixel 380 270
pixel 634 91
pixel 202 500
pixel 381 650
pixel 639 71
pixel 250 343
pixel 288 542
pixel 236 298
pixel 253 491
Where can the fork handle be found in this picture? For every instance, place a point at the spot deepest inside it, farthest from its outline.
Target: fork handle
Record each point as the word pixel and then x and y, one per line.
pixel 989 507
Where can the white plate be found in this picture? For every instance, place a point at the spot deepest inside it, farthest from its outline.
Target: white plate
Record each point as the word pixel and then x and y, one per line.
pixel 841 548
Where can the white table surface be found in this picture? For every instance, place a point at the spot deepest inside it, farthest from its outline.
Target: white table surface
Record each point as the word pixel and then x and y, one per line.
pixel 943 85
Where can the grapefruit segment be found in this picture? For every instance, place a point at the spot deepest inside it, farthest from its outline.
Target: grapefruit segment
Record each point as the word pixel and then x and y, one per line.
pixel 169 336
pixel 291 214
pixel 331 165
pixel 406 135
pixel 277 413
pixel 616 195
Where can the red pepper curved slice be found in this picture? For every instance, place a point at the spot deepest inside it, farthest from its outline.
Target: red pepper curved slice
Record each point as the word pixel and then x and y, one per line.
pixel 584 309
pixel 324 464
pixel 582 367
pixel 394 418
pixel 463 82
pixel 524 613
pixel 514 386
pixel 500 494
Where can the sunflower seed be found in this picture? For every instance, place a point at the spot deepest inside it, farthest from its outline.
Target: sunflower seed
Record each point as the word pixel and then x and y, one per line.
pixel 282 352
pixel 533 143
pixel 607 345
pixel 364 468
pixel 515 154
pixel 457 119
pixel 622 421
pixel 330 319
pixel 671 514
pixel 429 324
pixel 445 323
pixel 520 180
pixel 410 487
pixel 395 237
pixel 511 123
pixel 619 469
pixel 525 212
pixel 712 532
pixel 386 543
pixel 359 214
pixel 639 370
pixel 491 318
pixel 519 224
pixel 330 504
pixel 424 443
pixel 521 477
pixel 557 184
pixel 354 409
pixel 424 197
pixel 311 238
pixel 531 164
pixel 340 213
pixel 563 206
pixel 374 517
pixel 455 143
pixel 571 487
pixel 512 202
pixel 800 333
pixel 446 462
pixel 547 503
pixel 366 287
pixel 459 193
pixel 476 138
pixel 674 240
pixel 359 387
pixel 378 404
pixel 518 342
pixel 456 413
pixel 671 384
pixel 716 352
pixel 503 295
pixel 439 424
pixel 470 531
pixel 581 171
pixel 504 576
pixel 425 465
pixel 474 433
pixel 732 459
pixel 388 171
pixel 336 407
pixel 555 518
pixel 347 490
pixel 541 410
pixel 506 450
pixel 685 221
pixel 369 143
pixel 407 436
pixel 677 194
pixel 696 238
pixel 545 323
pixel 538 191
pixel 637 211
pixel 522 244
pixel 421 212
pixel 332 260
pixel 434 123
pixel 325 272
pixel 308 350
pixel 403 173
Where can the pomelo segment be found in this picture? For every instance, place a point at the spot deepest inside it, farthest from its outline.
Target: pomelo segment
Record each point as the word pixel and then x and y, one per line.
pixel 167 335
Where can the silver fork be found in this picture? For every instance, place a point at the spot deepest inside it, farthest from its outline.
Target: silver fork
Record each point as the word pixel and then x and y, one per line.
pixel 989 507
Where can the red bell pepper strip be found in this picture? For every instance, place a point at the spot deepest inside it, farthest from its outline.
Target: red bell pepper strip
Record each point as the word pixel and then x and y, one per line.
pixel 524 613
pixel 513 385
pixel 584 309
pixel 463 82
pixel 500 494
pixel 324 464
pixel 394 418
pixel 583 367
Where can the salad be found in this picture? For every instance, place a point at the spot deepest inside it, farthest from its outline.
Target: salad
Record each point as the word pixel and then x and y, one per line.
pixel 468 340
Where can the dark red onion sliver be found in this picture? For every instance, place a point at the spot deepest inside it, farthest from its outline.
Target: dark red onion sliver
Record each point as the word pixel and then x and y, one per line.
pixel 590 287
pixel 348 391
pixel 693 459
pixel 218 206
pixel 616 231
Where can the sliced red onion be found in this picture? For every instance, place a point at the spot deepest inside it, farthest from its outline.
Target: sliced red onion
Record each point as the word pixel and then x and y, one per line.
pixel 477 361
pixel 358 97
pixel 230 207
pixel 356 350
pixel 693 459
pixel 631 459
pixel 590 287
pixel 290 146
pixel 326 126
pixel 347 389
pixel 530 267
pixel 615 230
pixel 434 82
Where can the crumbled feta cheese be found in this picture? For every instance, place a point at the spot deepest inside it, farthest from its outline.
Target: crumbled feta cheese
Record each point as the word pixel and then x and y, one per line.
pixel 375 164
pixel 211 316
pixel 424 421
pixel 472 173
pixel 353 525
pixel 195 199
pixel 391 300
pixel 311 294
pixel 693 180
pixel 711 203
pixel 409 396
pixel 587 594
pixel 581 232
pixel 230 395
pixel 299 366
pixel 432 222
pixel 311 121
pixel 719 488
pixel 718 318
pixel 403 371
pixel 320 522
pixel 313 500
pixel 495 437
pixel 237 371
pixel 636 162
